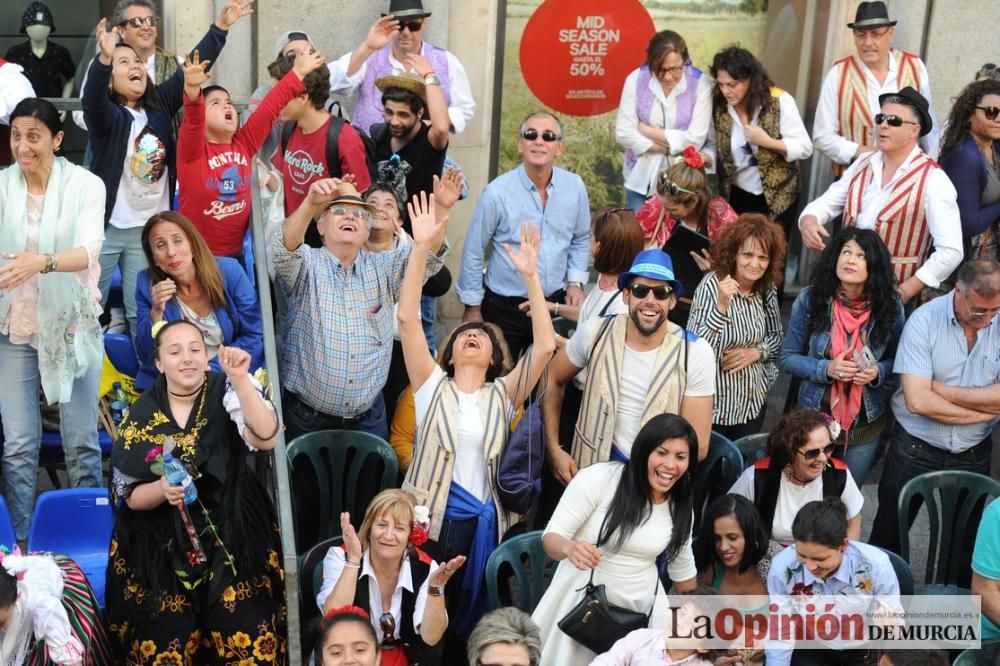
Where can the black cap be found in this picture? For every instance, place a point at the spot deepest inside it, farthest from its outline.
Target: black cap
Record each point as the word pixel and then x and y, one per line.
pixel 871 15
pixel 915 101
pixel 407 9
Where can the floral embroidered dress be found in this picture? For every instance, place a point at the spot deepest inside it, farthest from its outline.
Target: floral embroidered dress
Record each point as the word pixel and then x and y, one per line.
pixel 163 608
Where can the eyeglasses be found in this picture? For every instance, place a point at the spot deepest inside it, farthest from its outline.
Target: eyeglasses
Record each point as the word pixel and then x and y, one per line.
pixel 139 21
pixel 387 623
pixel 548 136
pixel 675 72
pixel 748 150
pixel 976 314
pixel 862 35
pixel 991 112
pixel 667 187
pixel 892 120
pixel 640 290
pixel 412 26
pixel 812 454
pixel 359 213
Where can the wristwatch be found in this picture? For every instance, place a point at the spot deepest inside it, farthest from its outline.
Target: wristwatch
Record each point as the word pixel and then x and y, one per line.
pixel 432 79
pixel 578 285
pixel 435 590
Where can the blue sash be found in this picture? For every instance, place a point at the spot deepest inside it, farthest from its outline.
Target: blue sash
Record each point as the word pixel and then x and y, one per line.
pixel 617 455
pixel 463 505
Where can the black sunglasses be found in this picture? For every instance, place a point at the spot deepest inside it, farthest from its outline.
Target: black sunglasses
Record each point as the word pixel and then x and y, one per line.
pixel 667 187
pixel 387 623
pixel 892 120
pixel 812 454
pixel 412 26
pixel 991 112
pixel 548 136
pixel 640 290
pixel 139 21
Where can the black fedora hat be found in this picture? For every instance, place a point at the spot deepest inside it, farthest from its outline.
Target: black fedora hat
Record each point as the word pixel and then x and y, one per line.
pixel 407 9
pixel 871 15
pixel 915 101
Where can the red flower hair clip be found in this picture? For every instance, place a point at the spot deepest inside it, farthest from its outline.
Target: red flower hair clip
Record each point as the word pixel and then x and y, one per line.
pixel 421 523
pixel 346 610
pixel 692 158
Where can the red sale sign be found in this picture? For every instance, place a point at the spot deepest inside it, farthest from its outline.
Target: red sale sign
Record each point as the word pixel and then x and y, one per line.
pixel 575 54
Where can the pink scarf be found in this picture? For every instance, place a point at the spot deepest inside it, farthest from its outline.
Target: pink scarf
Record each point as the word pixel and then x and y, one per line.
pixel 850 314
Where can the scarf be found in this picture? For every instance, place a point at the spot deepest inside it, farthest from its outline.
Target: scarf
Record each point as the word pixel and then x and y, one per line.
pixel 463 505
pixel 69 337
pixel 850 315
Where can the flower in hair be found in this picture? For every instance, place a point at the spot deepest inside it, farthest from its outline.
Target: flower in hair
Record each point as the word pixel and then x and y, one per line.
pixel 346 610
pixel 833 425
pixel 692 158
pixel 13 562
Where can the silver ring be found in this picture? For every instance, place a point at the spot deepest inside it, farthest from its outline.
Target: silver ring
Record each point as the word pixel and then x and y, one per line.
pixel 840 375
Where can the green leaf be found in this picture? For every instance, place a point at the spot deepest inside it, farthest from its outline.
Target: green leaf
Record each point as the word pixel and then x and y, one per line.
pixel 180 574
pixel 157 468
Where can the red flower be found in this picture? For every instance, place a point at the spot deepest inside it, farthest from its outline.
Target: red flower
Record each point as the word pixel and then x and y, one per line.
pixel 195 558
pixel 692 158
pixel 153 454
pixel 418 535
pixel 802 590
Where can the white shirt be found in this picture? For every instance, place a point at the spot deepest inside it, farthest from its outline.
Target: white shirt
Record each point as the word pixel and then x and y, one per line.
pixel 637 375
pixel 470 460
pixel 793 134
pixel 463 104
pixel 642 176
pixel 591 309
pixel 826 125
pixel 940 207
pixel 14 87
pixel 792 497
pixel 135 201
pixel 333 567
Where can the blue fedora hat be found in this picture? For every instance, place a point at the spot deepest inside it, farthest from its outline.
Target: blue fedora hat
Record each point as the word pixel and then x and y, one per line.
pixel 652 264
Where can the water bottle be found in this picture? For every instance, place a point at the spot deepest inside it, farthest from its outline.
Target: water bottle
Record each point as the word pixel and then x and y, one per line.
pixel 177 475
pixel 119 403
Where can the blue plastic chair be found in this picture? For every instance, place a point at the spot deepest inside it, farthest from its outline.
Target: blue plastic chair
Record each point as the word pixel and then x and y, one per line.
pixel 120 351
pixel 7 536
pixel 76 522
pixel 753 448
pixel 523 559
pixel 716 474
pixel 51 456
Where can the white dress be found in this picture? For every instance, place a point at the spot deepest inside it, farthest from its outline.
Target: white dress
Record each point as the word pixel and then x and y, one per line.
pixel 629 575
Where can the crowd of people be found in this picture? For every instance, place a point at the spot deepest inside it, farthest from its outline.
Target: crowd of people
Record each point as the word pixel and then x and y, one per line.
pixel 892 344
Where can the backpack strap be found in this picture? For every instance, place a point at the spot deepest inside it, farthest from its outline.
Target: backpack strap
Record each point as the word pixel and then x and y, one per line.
pixel 333 147
pixel 834 478
pixel 765 495
pixel 286 135
pixel 607 305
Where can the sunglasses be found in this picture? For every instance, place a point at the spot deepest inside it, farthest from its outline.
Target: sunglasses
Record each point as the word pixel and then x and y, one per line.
pixel 667 187
pixel 892 120
pixel 139 21
pixel 548 136
pixel 642 290
pixel 359 213
pixel 412 26
pixel 991 112
pixel 812 454
pixel 387 623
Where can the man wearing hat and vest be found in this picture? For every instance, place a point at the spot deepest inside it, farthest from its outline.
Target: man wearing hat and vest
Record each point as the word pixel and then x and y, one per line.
pixel 843 129
pixel 900 193
pixel 338 333
pixel 390 40
pixel 638 365
pixel 408 99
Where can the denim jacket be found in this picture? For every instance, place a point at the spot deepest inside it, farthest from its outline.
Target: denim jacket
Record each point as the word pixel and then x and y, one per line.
pixel 805 357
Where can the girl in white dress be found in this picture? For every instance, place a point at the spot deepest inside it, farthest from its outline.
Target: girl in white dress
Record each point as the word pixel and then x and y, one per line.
pixel 648 513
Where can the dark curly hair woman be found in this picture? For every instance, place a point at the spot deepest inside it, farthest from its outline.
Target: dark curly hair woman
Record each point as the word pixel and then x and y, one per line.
pixel 970 155
pixel 841 342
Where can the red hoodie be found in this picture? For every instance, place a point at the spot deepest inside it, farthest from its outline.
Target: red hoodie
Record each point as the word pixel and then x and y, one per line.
pixel 214 178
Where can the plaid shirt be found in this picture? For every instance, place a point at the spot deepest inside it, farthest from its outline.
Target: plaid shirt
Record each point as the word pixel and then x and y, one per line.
pixel 338 332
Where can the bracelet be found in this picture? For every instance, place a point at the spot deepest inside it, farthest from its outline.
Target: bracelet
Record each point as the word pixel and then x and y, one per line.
pixel 50 263
pixel 277 427
pixel 351 565
pixel 556 313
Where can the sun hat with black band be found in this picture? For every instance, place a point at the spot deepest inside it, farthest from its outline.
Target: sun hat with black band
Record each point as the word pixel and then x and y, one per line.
pixel 655 265
pixel 349 195
pixel 871 15
pixel 407 81
pixel 915 101
pixel 406 9
pixel 291 36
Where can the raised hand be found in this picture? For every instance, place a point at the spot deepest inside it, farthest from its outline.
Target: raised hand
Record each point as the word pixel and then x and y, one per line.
pixel 107 40
pixel 325 190
pixel 382 32
pixel 444 572
pixel 351 541
pixel 448 188
pixel 232 12
pixel 426 227
pixel 307 62
pixel 161 292
pixel 526 258
pixel 195 71
pixel 235 362
pixel 728 287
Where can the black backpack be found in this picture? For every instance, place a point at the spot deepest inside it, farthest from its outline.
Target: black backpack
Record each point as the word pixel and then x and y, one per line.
pixel 332 147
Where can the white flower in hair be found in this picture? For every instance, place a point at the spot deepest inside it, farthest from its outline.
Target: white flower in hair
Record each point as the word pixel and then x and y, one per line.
pixel 833 425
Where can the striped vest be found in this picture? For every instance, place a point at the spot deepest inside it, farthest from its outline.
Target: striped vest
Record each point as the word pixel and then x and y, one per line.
pixel 902 223
pixel 644 99
pixel 368 110
pixel 857 123
pixel 595 428
pixel 778 176
pixel 431 471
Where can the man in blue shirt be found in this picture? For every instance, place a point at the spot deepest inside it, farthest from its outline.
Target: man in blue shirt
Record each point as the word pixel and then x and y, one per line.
pixel 948 361
pixel 555 200
pixel 986 570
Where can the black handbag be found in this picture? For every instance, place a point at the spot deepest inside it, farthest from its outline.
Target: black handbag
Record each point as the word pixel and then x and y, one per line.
pixel 596 624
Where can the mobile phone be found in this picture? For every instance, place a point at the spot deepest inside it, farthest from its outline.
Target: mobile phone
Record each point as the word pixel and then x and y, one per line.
pixel 865 358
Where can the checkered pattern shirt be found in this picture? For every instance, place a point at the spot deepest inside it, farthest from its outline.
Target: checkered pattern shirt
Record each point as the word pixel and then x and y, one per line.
pixel 338 331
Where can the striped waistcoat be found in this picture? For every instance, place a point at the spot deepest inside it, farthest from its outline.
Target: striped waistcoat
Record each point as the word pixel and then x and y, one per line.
pixel 902 223
pixel 595 428
pixel 430 474
pixel 856 121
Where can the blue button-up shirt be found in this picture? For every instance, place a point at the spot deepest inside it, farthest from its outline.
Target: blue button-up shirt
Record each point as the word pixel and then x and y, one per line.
pixel 505 204
pixel 933 345
pixel 338 332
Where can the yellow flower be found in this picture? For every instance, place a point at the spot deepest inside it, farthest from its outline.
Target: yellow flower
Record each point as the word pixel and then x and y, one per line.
pixel 865 584
pixel 192 642
pixel 273 560
pixel 241 640
pixel 147 649
pixel 247 662
pixel 220 645
pixel 171 658
pixel 265 648
pixel 229 594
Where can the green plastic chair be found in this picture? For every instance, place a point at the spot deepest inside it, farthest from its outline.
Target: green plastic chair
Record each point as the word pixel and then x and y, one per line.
pixel 753 448
pixel 716 474
pixel 987 655
pixel 310 582
pixel 564 327
pixel 522 559
pixel 333 471
pixel 954 519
